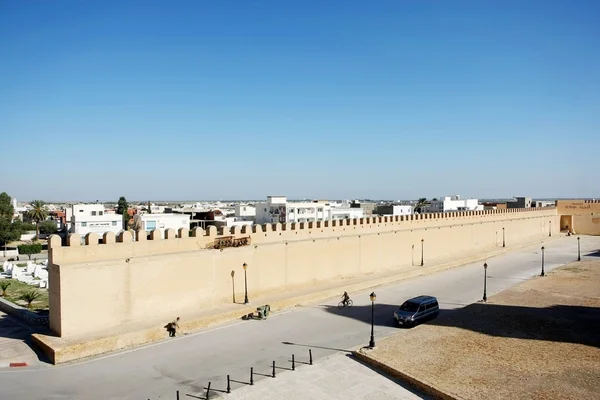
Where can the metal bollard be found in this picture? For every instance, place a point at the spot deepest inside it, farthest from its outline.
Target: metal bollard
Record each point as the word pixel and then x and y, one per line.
pixel 208 391
pixel 252 375
pixel 273 369
pixel 293 363
pixel 177 395
pixel 310 356
pixel 228 385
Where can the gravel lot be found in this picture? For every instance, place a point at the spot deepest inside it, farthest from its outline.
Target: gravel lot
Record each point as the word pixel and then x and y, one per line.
pixel 539 340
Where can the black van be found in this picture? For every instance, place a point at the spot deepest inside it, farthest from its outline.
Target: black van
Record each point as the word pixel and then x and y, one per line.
pixel 417 309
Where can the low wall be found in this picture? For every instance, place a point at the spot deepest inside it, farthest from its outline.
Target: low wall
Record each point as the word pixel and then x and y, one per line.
pixel 21 312
pixel 9 253
pixel 100 286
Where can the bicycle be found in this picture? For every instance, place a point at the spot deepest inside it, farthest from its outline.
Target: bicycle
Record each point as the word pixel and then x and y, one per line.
pixel 343 304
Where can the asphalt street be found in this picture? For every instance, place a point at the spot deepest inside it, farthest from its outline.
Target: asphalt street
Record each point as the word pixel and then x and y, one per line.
pixel 188 363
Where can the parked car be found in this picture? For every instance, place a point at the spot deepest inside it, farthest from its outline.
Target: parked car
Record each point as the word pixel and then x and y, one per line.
pixel 416 310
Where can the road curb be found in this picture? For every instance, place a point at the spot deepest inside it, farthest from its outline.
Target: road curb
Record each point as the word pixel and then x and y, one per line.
pixel 13 365
pixel 422 386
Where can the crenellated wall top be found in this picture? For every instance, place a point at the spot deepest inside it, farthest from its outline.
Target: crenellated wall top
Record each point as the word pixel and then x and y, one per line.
pixel 128 244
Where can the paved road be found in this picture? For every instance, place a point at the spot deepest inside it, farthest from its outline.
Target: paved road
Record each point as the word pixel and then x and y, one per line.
pixel 187 363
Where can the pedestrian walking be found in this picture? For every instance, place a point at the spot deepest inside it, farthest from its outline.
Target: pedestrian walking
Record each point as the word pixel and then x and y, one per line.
pixel 173 327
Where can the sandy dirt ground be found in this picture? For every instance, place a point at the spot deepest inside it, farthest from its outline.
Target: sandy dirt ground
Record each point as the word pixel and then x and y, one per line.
pixel 539 340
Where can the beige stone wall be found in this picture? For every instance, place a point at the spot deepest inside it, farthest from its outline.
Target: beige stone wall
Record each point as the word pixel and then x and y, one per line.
pixel 582 216
pixel 586 224
pixel 96 287
pixel 578 207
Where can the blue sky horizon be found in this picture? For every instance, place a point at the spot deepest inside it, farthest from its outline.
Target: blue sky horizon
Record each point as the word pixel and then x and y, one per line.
pixel 337 99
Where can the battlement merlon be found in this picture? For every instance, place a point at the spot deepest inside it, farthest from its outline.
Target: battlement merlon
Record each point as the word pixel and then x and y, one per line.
pixel 123 245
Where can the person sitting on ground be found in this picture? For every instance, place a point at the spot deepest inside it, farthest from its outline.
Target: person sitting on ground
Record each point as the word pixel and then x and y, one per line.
pixel 345 298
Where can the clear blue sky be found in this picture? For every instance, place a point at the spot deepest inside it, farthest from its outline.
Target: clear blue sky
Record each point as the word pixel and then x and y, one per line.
pixel 326 99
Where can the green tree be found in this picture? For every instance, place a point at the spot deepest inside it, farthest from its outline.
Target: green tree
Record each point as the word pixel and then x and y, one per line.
pixel 30 297
pixel 4 284
pixel 38 213
pixel 23 227
pixel 6 208
pixel 8 232
pixel 48 227
pixel 420 204
pixel 29 249
pixel 122 208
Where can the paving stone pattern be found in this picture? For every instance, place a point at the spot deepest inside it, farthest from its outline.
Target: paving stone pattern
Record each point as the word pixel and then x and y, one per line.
pixel 336 377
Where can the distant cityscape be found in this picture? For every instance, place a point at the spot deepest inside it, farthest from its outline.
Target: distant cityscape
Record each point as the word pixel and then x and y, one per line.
pixel 64 218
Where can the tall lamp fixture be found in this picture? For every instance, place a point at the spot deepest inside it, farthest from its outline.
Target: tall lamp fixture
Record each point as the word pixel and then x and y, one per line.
pixel 485 282
pixel 373 297
pixel 245 266
pixel 542 274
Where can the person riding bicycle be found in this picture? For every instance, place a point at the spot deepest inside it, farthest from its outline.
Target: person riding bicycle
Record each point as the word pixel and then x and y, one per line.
pixel 345 298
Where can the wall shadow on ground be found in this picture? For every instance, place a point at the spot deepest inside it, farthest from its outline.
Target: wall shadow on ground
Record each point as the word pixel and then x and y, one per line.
pixel 559 323
pixel 13 328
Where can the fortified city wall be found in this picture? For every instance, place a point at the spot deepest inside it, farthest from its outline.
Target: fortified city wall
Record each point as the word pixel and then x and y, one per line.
pixel 582 216
pixel 98 286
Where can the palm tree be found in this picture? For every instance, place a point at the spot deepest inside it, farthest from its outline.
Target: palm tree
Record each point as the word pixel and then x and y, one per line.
pixel 38 213
pixel 30 297
pixel 4 284
pixel 420 204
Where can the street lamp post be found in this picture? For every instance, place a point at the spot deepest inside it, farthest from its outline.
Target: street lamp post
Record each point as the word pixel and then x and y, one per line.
pixel 578 249
pixel 422 243
pixel 373 296
pixel 245 283
pixel 542 261
pixel 485 282
pixel 233 285
pixel 503 238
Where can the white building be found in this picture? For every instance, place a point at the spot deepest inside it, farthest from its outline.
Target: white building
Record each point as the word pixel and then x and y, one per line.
pixel 162 222
pixel 453 203
pixel 234 221
pixel 278 209
pixel 245 212
pixel 345 213
pixel 85 218
pixel 392 210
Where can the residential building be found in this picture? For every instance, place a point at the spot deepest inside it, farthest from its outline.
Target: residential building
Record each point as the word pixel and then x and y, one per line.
pixel 162 222
pixel 272 211
pixel 278 209
pixel 345 213
pixel 245 212
pixel 367 207
pixel 520 202
pixel 85 218
pixel 453 203
pixel 491 205
pixel 391 209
